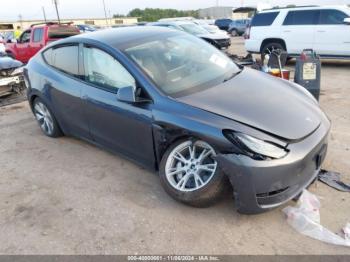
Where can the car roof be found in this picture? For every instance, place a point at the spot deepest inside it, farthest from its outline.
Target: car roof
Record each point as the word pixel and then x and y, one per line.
pixel 308 7
pixel 177 22
pixel 117 37
pixel 51 24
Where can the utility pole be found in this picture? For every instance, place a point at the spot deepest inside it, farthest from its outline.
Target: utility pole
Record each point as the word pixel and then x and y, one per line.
pixel 104 8
pixel 44 13
pixel 20 18
pixel 55 2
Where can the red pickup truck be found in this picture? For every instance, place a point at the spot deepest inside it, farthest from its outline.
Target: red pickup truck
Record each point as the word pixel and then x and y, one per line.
pixel 36 37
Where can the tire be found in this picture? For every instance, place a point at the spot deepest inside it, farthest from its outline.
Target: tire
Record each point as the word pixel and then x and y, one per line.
pixel 234 32
pixel 45 118
pixel 269 47
pixel 194 193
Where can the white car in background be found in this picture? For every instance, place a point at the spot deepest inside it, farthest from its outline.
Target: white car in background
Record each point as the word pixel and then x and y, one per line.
pixel 221 41
pixel 211 28
pixel 325 29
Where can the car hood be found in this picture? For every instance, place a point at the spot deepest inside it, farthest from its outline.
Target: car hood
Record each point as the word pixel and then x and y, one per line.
pixel 7 62
pixel 261 101
pixel 216 36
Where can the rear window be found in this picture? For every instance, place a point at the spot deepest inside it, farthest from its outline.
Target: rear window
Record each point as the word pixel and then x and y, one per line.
pixel 56 32
pixel 38 34
pixel 264 19
pixel 223 21
pixel 332 17
pixel 301 17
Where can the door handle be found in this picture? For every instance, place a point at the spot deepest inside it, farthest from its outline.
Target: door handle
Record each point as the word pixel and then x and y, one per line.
pixel 321 31
pixel 286 31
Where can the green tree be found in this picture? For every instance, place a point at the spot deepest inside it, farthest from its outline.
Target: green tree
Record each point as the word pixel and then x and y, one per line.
pixel 118 15
pixel 154 14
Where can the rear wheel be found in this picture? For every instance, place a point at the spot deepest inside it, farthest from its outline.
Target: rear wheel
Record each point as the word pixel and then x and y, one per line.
pixel 270 47
pixel 46 119
pixel 234 33
pixel 189 173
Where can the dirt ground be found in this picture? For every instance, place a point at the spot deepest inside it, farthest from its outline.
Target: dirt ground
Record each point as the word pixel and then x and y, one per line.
pixel 64 196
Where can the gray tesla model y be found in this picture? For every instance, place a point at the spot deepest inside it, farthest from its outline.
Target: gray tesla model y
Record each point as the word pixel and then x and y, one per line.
pixel 176 105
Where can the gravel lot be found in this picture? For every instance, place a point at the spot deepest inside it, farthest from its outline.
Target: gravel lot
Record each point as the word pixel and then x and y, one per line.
pixel 64 196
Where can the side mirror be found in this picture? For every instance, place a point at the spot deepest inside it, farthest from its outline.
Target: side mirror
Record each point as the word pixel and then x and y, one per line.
pixel 347 21
pixel 127 94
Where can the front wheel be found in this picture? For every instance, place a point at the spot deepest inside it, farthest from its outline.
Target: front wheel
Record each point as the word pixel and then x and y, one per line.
pixel 234 33
pixel 189 173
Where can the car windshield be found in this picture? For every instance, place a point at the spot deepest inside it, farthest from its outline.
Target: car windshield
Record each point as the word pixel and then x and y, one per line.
pixel 88 27
pixel 194 29
pixel 182 64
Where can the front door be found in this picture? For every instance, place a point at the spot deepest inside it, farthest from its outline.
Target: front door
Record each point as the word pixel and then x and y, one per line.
pixel 120 126
pixel 23 48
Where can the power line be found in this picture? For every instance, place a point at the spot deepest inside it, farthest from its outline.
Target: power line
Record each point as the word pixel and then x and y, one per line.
pixel 20 19
pixel 55 2
pixel 44 13
pixel 104 8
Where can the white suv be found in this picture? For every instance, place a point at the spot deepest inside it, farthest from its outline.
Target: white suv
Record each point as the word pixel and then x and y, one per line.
pixel 325 29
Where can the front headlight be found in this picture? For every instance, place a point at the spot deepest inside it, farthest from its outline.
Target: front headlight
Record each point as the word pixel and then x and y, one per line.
pixel 2 48
pixel 18 71
pixel 256 148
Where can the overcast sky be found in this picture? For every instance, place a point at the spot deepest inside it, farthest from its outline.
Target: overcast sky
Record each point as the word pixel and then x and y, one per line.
pixel 32 9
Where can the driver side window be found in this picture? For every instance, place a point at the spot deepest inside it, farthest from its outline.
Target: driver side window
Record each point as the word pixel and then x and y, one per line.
pixel 25 37
pixel 103 70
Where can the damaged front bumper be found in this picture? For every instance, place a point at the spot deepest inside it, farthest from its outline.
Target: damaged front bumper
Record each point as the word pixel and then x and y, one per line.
pixel 262 185
pixel 8 84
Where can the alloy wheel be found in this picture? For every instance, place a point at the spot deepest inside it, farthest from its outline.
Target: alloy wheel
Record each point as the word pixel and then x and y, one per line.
pixel 269 50
pixel 190 166
pixel 43 116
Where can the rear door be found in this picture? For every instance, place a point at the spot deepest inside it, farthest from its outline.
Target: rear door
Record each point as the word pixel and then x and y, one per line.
pixel 298 30
pixel 332 36
pixel 37 41
pixel 120 126
pixel 64 86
